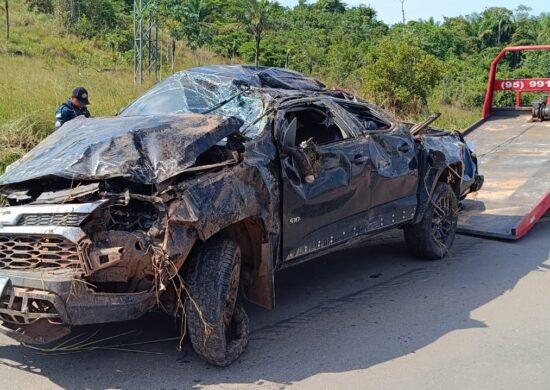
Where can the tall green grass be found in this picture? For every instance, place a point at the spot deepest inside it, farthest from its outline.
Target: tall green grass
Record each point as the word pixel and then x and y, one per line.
pixel 39 67
pixel 42 63
pixel 31 89
pixel 452 117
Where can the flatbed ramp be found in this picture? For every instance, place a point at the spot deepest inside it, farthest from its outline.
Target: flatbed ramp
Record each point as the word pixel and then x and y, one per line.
pixel 514 156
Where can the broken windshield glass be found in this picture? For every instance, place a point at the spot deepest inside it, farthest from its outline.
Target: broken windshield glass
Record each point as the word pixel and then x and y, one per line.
pixel 190 92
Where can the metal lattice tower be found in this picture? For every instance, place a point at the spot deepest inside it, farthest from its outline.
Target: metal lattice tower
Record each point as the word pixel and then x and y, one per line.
pixel 146 39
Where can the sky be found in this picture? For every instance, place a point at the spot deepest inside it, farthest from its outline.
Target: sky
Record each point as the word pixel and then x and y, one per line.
pixel 390 10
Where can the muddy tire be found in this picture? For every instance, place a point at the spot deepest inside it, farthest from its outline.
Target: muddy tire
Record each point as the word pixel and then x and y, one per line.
pixel 433 236
pixel 216 319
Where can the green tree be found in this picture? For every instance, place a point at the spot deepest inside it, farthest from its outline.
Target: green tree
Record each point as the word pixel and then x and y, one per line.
pixel 256 19
pixel 96 19
pixel 526 28
pixel 496 26
pixel 358 25
pixel 543 35
pixel 400 76
pixel 332 6
pixel 189 20
pixel 464 33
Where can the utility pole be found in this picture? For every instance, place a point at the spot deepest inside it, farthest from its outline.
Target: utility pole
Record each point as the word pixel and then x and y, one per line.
pixel 7 20
pixel 146 39
pixel 403 10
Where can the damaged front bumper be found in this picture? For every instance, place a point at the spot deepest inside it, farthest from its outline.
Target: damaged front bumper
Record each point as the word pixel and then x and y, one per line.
pixel 45 274
pixel 35 306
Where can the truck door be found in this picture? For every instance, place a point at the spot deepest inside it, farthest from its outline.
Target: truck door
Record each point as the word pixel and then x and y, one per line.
pixel 393 155
pixel 320 213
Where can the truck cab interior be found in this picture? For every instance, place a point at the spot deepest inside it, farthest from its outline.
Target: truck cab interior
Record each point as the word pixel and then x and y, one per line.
pixel 316 124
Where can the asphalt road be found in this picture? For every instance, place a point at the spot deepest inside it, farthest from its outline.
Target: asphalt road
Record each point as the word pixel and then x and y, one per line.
pixel 367 318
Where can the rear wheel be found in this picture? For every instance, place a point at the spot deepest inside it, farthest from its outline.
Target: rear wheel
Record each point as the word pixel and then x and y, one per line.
pixel 433 236
pixel 216 319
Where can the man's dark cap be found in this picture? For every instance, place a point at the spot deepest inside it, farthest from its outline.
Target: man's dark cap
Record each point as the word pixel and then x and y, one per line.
pixel 81 94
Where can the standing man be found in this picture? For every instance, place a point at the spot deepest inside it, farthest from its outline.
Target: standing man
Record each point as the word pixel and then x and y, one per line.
pixel 75 106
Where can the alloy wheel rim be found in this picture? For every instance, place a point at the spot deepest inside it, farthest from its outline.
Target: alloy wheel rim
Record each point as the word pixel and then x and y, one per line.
pixel 442 219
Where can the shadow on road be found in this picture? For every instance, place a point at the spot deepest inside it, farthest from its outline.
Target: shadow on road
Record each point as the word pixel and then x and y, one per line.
pixel 347 311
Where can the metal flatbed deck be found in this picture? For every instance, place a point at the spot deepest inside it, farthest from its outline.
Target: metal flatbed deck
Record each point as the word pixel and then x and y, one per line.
pixel 514 156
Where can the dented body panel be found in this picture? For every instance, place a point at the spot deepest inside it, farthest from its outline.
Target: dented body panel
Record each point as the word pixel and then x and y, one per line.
pixel 103 214
pixel 144 149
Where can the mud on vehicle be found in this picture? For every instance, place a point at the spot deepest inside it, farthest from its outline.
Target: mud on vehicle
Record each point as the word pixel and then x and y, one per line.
pixel 195 194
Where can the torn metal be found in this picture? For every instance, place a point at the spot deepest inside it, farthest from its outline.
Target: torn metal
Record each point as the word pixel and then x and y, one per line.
pixel 144 149
pixel 103 213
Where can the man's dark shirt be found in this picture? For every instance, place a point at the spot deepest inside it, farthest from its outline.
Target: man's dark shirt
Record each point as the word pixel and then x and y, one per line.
pixel 68 111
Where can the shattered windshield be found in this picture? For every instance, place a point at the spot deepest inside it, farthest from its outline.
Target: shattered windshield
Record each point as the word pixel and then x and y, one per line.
pixel 190 92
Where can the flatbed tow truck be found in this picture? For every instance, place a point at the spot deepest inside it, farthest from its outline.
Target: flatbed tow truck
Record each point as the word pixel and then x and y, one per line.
pixel 513 150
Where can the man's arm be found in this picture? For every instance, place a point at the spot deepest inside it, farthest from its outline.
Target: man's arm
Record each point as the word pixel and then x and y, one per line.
pixel 62 115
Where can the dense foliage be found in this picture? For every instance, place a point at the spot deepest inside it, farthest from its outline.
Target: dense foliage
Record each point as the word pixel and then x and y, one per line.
pixel 403 67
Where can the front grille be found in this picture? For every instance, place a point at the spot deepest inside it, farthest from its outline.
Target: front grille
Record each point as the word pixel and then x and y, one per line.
pixel 28 252
pixel 52 219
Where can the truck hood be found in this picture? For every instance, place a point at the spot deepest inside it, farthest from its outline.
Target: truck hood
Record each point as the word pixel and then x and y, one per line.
pixel 143 149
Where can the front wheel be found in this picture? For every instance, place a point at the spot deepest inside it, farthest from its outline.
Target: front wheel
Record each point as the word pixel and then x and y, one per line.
pixel 216 319
pixel 433 236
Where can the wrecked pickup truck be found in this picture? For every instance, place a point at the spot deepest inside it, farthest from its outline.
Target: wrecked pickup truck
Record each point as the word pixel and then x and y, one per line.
pixel 196 193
